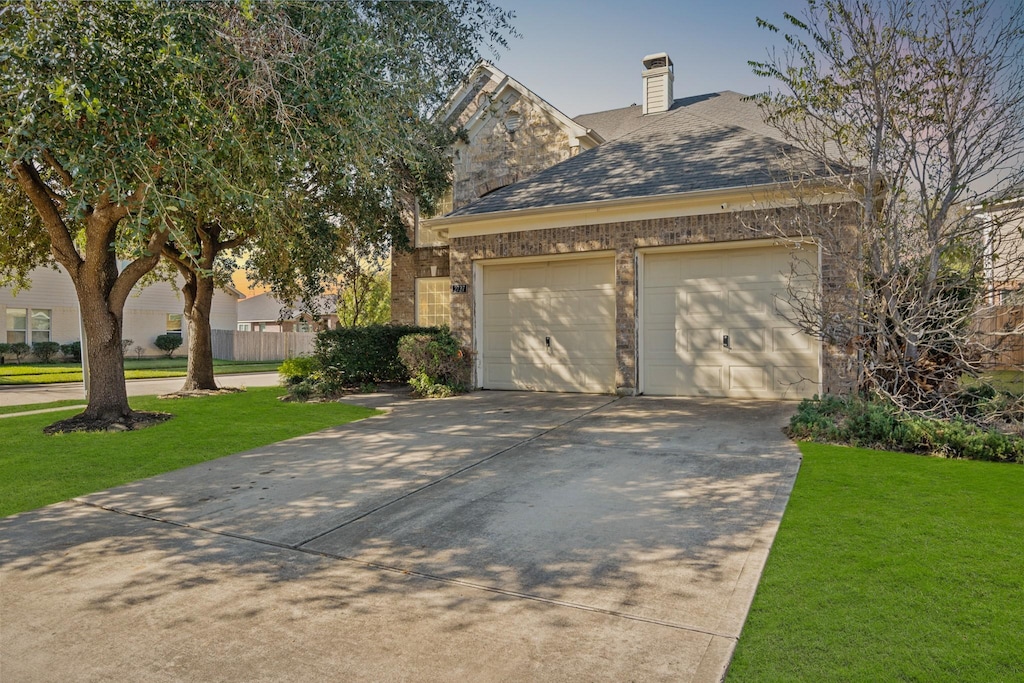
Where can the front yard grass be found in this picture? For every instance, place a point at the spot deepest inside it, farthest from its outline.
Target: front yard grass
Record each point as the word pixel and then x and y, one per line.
pixel 891 567
pixel 37 470
pixel 150 368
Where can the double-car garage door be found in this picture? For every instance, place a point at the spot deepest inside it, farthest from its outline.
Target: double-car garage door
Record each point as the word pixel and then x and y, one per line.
pixel 712 323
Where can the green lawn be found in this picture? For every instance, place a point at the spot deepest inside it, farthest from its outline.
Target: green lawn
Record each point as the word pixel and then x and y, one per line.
pixel 36 470
pixel 150 368
pixel 892 567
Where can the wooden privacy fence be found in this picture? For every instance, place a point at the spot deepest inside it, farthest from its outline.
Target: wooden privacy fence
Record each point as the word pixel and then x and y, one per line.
pixel 1000 329
pixel 260 346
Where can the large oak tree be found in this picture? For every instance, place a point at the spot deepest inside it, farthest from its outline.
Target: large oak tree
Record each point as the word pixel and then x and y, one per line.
pixel 147 128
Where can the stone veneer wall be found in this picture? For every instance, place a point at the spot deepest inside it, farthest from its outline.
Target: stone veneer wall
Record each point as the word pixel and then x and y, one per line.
pixel 839 368
pixel 495 158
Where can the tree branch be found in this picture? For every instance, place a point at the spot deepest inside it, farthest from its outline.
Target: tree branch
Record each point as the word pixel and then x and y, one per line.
pixel 61 244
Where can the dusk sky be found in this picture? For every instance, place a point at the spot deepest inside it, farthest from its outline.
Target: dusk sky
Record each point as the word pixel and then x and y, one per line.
pixel 585 56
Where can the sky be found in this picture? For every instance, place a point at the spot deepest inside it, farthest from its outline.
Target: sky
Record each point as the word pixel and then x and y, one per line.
pixel 586 57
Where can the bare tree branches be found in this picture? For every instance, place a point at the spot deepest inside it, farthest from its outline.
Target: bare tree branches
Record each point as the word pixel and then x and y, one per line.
pixel 914 109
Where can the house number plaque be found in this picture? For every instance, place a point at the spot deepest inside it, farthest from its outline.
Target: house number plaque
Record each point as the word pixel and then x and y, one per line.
pixel 460 289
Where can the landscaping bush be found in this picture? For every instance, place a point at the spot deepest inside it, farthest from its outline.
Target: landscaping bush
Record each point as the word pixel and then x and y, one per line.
pixel 298 369
pixel 168 343
pixel 436 364
pixel 5 348
pixel 19 350
pixel 874 423
pixel 72 351
pixel 126 346
pixel 351 356
pixel 45 351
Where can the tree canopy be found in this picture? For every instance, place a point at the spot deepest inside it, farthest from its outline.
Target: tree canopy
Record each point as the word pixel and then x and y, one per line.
pixel 127 124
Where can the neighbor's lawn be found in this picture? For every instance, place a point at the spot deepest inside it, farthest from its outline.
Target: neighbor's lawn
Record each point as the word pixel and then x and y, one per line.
pixel 134 369
pixel 892 567
pixel 36 470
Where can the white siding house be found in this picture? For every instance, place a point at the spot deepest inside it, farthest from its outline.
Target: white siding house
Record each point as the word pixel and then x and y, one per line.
pixel 48 311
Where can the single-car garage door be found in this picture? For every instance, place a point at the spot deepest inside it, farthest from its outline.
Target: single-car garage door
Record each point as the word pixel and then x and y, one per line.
pixel 714 324
pixel 549 326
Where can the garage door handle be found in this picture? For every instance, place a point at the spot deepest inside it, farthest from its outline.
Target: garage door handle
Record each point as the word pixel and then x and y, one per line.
pixel 725 341
pixel 547 342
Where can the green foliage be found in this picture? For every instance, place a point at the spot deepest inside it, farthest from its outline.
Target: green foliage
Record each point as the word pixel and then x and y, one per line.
pixel 364 298
pixel 168 343
pixel 298 369
pixel 354 356
pixel 45 351
pixel 72 351
pixel 5 348
pixel 856 421
pixel 436 364
pixel 19 350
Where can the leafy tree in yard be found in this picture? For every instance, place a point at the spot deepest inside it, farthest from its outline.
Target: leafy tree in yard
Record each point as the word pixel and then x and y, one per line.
pixel 127 123
pixel 357 83
pixel 924 99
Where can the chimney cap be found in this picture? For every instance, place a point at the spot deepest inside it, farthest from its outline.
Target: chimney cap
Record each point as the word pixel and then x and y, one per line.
pixel 657 60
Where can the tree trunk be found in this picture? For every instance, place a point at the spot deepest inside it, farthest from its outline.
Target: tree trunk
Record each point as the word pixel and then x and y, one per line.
pixel 198 302
pixel 108 396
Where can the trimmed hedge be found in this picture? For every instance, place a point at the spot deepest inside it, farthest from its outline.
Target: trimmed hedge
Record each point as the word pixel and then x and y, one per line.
pixel 354 356
pixel 45 351
pixel 856 421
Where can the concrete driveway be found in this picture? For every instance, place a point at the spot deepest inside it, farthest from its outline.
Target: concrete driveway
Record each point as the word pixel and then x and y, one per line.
pixel 495 536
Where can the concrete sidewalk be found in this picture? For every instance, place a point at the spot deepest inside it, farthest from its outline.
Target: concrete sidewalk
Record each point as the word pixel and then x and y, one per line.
pixel 494 536
pixel 16 395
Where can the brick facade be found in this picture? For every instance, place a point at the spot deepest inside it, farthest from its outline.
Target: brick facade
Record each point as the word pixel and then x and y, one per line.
pixel 838 371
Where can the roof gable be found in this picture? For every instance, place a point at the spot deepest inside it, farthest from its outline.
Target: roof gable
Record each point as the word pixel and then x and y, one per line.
pixel 673 152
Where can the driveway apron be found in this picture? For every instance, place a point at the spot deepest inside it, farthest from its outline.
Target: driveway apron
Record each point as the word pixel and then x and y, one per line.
pixel 493 536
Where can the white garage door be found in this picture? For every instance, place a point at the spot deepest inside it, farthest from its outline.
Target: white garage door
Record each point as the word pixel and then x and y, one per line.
pixel 713 324
pixel 549 326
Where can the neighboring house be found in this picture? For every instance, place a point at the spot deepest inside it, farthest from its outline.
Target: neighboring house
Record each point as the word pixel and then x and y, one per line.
pixel 48 311
pixel 618 252
pixel 1003 221
pixel 264 313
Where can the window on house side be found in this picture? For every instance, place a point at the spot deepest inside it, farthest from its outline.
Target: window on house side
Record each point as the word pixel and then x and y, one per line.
pixel 174 323
pixel 425 237
pixel 17 325
pixel 41 325
pixel 433 301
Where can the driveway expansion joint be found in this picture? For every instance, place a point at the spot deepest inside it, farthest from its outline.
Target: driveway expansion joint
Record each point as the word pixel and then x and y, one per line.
pixel 457 472
pixel 418 574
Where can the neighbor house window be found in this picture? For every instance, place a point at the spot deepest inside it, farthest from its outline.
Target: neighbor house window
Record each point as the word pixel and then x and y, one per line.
pixel 29 325
pixel 41 324
pixel 433 301
pixel 17 325
pixel 245 327
pixel 174 323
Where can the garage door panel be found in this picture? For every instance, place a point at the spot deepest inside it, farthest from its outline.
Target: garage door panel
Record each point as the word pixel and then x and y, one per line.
pixel 746 379
pixel 570 302
pixel 704 303
pixel 742 293
pixel 747 339
pixel 708 339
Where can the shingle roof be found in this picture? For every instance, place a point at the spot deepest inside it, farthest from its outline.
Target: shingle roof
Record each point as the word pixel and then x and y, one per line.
pixel 715 141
